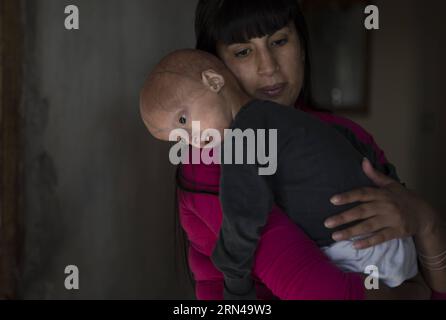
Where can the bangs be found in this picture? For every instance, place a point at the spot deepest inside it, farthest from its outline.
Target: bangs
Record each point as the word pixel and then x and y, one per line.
pixel 238 21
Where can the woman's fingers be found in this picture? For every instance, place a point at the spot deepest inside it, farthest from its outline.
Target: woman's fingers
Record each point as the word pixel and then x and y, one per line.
pixel 368 193
pixel 365 194
pixel 389 206
pixel 378 178
pixel 366 227
pixel 360 212
pixel 378 238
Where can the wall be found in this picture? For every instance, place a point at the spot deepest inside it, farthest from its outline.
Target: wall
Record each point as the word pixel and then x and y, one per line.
pixel 98 189
pixel 407 103
pixel 431 151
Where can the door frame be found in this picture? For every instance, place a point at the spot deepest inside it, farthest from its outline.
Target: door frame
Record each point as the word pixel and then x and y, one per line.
pixel 11 62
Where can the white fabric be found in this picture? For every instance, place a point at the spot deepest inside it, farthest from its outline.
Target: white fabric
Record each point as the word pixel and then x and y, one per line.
pixel 396 260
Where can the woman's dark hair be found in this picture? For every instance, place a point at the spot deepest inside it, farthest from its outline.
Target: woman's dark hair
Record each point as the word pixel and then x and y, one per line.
pixel 234 21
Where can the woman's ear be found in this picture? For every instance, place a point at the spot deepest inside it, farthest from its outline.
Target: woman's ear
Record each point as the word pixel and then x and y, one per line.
pixel 213 80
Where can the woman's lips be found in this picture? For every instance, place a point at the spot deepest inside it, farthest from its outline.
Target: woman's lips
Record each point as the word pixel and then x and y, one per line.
pixel 272 91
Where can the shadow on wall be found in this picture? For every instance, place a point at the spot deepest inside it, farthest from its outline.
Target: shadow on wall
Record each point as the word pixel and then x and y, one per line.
pixel 431 111
pixel 99 190
pixel 407 111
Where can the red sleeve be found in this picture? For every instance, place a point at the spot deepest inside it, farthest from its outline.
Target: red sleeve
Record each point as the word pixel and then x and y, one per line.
pixel 438 295
pixel 208 280
pixel 287 262
pixel 294 268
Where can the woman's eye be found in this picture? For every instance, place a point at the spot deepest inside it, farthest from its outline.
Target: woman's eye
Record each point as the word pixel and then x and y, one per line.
pixel 183 120
pixel 242 53
pixel 280 42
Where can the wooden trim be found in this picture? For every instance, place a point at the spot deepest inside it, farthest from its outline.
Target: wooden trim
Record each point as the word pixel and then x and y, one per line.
pixel 11 42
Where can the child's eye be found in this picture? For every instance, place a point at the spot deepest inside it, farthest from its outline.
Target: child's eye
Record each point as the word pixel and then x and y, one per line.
pixel 242 53
pixel 280 42
pixel 183 120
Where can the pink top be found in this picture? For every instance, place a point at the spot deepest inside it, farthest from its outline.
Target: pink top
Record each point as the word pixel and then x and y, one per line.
pixel 288 265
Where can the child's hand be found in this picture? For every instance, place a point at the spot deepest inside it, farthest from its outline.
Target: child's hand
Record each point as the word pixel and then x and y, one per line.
pixel 390 211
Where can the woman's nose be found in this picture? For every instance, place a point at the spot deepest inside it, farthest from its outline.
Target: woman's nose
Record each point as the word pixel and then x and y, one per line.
pixel 267 64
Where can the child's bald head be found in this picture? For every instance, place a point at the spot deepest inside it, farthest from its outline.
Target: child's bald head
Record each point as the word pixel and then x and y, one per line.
pixel 175 83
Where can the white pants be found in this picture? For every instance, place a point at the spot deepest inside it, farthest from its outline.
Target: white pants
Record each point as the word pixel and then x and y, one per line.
pixel 396 259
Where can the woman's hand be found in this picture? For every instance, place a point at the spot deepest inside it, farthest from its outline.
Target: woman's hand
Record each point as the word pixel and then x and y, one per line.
pixel 389 211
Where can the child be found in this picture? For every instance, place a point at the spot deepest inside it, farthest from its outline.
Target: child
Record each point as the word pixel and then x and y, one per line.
pixel 314 162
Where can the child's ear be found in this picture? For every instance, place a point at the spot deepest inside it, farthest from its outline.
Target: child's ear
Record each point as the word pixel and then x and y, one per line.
pixel 213 80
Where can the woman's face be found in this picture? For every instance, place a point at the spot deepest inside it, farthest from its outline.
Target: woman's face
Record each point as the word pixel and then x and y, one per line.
pixel 268 68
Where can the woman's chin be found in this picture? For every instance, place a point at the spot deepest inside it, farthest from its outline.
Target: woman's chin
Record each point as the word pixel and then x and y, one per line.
pixel 282 99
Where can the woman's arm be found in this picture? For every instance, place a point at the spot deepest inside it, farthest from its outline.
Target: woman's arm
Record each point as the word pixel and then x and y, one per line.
pixel 397 211
pixel 290 264
pixel 432 245
pixel 208 280
pixel 287 262
pixel 283 259
pixel 392 211
pixel 294 268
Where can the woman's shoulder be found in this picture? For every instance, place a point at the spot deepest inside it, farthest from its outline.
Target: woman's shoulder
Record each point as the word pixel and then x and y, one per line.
pixel 334 119
pixel 359 137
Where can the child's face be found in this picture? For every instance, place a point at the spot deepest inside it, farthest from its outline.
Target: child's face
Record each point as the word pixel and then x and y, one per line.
pixel 196 102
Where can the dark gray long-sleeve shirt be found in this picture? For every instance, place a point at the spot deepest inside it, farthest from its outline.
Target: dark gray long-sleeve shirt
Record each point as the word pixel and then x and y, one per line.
pixel 314 162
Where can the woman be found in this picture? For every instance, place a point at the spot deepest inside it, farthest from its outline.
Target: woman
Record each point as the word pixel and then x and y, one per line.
pixel 264 43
